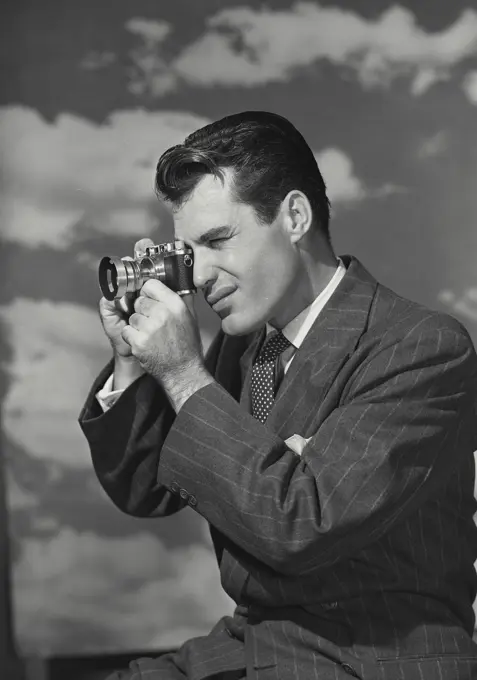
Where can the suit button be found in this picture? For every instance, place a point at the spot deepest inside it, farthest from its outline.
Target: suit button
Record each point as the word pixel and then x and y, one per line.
pixel 192 501
pixel 175 487
pixel 183 494
pixel 350 670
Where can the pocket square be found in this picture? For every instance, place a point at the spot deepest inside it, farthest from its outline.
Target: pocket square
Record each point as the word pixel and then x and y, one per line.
pixel 296 443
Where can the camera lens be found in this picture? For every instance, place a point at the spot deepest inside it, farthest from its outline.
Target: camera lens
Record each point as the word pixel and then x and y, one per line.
pixel 118 276
pixel 108 278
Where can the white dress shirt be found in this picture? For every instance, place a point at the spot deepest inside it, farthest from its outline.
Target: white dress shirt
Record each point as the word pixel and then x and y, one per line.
pixel 295 331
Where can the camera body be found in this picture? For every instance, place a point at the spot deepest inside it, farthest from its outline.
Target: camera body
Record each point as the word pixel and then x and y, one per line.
pixel 171 263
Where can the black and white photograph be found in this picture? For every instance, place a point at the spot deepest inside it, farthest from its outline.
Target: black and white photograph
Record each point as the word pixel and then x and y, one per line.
pixel 238 312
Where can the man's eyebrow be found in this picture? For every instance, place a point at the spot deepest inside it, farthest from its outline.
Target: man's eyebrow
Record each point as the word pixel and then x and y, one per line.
pixel 215 232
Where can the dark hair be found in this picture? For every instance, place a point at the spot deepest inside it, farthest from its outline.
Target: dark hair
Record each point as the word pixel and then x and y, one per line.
pixel 268 157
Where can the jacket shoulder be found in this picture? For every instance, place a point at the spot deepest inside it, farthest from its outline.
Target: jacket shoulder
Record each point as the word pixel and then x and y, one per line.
pixel 392 313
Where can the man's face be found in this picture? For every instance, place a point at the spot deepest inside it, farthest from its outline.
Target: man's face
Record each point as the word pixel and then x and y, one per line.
pixel 246 269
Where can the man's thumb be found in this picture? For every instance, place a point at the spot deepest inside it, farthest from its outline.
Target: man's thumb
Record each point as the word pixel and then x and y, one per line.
pixel 141 245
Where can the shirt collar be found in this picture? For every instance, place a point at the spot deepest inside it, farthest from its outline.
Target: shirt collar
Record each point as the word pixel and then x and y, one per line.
pixel 296 329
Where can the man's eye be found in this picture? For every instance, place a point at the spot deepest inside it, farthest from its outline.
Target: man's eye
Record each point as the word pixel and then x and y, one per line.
pixel 216 242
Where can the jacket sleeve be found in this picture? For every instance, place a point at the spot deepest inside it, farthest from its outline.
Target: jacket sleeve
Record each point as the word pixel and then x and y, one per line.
pixel 126 442
pixel 406 418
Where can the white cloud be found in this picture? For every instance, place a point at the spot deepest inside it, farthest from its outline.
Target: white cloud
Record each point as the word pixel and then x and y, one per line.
pixel 433 146
pixel 425 78
pixel 248 47
pixel 58 349
pixel 93 61
pixel 45 523
pixel 120 593
pixel 149 69
pixel 59 175
pixel 149 29
pixel 470 86
pixel 464 305
pixel 387 189
pixel 341 182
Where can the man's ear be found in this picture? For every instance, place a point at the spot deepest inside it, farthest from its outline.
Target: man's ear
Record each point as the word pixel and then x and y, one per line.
pixel 298 214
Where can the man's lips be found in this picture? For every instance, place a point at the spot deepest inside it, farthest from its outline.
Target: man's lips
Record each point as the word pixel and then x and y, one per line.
pixel 220 294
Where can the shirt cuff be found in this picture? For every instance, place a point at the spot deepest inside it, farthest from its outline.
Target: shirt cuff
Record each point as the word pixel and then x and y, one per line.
pixel 106 396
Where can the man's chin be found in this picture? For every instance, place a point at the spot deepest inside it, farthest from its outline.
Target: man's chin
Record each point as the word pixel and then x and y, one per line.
pixel 233 325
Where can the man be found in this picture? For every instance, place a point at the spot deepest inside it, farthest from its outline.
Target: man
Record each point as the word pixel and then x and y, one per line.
pixel 327 438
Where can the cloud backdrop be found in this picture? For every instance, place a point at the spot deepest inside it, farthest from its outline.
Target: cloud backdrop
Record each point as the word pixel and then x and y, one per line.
pixel 386 99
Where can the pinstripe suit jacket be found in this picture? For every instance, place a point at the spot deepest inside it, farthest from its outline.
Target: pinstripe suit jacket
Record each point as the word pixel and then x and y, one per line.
pixel 354 559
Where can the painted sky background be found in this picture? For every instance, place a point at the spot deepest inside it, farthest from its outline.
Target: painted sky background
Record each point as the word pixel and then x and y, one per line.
pixel 91 94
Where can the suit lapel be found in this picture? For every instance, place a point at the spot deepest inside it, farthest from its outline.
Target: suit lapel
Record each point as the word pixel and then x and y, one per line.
pixel 330 341
pixel 327 346
pixel 234 375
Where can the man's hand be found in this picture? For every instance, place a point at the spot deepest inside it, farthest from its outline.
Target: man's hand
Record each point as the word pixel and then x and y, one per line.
pixel 114 317
pixel 114 314
pixel 163 335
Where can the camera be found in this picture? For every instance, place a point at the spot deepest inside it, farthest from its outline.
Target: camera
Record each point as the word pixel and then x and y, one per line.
pixel 171 263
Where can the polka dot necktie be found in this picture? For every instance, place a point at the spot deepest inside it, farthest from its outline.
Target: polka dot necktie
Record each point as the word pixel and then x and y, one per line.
pixel 264 374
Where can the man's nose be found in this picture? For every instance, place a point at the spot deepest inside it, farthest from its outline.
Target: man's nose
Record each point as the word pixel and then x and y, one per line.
pixel 204 271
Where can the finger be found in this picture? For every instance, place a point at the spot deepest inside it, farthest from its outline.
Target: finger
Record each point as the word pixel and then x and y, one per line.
pixel 126 303
pixel 156 290
pixel 143 305
pixel 109 307
pixel 141 245
pixel 129 335
pixel 138 322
